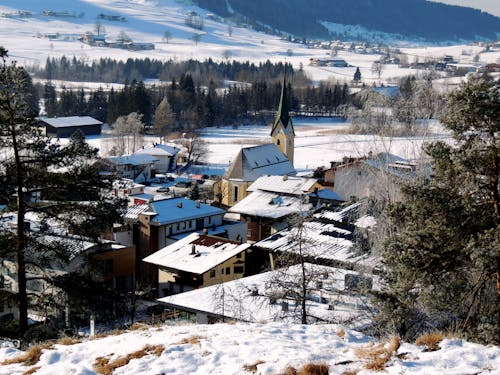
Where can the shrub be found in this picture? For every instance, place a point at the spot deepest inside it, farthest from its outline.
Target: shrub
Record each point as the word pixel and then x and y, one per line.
pixel 378 355
pixel 103 365
pixel 430 340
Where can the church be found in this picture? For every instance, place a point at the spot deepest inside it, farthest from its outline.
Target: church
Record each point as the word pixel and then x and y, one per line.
pixel 273 159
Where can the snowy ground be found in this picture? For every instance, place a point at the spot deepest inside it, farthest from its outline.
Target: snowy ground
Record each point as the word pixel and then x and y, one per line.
pixel 147 20
pixel 227 348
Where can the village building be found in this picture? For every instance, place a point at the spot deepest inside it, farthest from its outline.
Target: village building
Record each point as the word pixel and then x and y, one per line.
pixel 64 127
pixel 197 261
pixel 252 162
pixel 328 237
pixel 272 203
pixel 165 156
pixel 160 223
pixel 136 167
pixel 333 296
pixel 366 176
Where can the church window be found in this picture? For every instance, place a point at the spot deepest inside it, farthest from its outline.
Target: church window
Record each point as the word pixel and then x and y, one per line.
pixel 235 193
pixel 278 142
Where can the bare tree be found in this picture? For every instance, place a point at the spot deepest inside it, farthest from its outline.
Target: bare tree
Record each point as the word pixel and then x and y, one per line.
pixel 196 38
pixel 167 35
pixel 164 120
pixel 123 37
pixel 127 131
pixel 377 68
pixel 99 28
pixel 194 146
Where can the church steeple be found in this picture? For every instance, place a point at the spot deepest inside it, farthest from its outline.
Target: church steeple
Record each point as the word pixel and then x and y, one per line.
pixel 282 130
pixel 283 114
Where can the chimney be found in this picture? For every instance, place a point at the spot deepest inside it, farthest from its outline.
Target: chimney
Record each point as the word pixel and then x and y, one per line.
pixel 179 204
pixel 193 249
pixel 204 231
pixel 285 177
pixel 197 203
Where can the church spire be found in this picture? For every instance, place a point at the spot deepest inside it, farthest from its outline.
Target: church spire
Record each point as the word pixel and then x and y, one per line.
pixel 283 114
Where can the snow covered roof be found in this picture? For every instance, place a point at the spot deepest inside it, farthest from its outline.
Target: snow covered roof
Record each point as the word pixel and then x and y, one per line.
pixel 159 150
pixel 133 212
pixel 134 159
pixel 64 122
pixel 174 210
pixel 270 205
pixel 324 238
pixel 345 214
pixel 256 161
pixel 252 298
pixel 284 184
pixel 209 252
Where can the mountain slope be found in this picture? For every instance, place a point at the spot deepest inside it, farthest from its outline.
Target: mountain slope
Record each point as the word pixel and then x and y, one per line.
pixel 415 19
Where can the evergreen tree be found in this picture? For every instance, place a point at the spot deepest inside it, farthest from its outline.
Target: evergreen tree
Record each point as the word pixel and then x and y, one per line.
pixel 443 252
pixel 357 75
pixel 62 176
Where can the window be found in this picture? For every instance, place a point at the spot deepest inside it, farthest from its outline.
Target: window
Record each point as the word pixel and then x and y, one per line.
pixel 190 224
pixel 238 269
pixel 278 142
pixel 210 220
pixel 238 255
pixel 177 226
pixel 212 273
pixel 228 270
pixel 235 193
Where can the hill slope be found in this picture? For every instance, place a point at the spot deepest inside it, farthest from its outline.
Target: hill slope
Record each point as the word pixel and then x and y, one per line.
pixel 236 348
pixel 412 19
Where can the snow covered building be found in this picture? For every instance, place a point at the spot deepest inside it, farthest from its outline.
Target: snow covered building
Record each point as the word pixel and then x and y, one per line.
pixel 274 159
pixel 165 156
pixel 364 177
pixel 272 201
pixel 261 298
pixel 197 261
pixel 137 167
pixel 64 127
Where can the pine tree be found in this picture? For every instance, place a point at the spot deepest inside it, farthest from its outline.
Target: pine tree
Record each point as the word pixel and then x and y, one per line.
pixel 357 75
pixel 62 176
pixel 443 253
pixel 164 119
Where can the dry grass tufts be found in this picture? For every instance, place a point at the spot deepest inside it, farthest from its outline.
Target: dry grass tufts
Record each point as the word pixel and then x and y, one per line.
pixel 193 340
pixel 430 340
pixel 253 367
pixel 32 370
pixel 103 365
pixel 68 341
pixel 350 372
pixel 340 333
pixel 314 369
pixel 309 369
pixel 138 327
pixel 378 355
pixel 29 357
pixel 114 332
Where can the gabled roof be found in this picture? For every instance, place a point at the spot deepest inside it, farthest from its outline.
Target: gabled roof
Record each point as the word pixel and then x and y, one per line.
pixel 284 184
pixel 270 205
pixel 209 252
pixel 159 150
pixel 283 118
pixel 134 159
pixel 173 210
pixel 253 162
pixel 64 122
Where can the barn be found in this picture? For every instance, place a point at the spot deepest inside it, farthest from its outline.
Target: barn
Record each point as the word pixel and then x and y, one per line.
pixel 64 127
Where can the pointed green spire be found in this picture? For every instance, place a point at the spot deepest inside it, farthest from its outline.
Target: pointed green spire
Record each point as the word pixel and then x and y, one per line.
pixel 283 114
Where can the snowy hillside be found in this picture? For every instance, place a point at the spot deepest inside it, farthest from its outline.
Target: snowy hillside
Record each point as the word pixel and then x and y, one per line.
pixel 31 40
pixel 251 348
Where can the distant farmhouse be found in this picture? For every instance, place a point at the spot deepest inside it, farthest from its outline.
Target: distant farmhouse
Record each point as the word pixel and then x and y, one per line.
pixel 64 127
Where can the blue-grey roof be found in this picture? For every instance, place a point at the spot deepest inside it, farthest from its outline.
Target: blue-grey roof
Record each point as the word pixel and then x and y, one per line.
pixel 326 194
pixel 168 210
pixel 65 122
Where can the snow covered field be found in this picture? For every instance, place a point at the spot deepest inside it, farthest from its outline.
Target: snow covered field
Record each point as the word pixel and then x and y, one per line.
pixel 147 20
pixel 233 348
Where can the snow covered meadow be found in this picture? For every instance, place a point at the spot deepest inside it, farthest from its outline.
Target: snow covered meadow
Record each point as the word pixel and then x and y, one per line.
pixel 251 348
